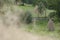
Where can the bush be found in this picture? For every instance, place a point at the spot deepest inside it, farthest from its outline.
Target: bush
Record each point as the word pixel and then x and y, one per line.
pixel 41 8
pixel 27 17
pixel 52 14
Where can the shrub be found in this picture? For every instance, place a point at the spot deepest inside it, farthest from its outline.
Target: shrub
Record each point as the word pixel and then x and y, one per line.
pixel 27 17
pixel 41 8
pixel 52 14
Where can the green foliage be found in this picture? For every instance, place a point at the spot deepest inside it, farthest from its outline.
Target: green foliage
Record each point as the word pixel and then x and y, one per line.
pixel 36 2
pixel 51 4
pixel 55 4
pixel 52 14
pixel 27 1
pixel 41 7
pixel 28 17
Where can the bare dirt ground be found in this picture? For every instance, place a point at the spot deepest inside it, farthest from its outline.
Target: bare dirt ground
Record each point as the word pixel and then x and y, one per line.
pixel 13 33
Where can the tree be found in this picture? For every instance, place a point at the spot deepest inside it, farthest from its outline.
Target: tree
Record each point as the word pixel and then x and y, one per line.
pixel 23 1
pixel 55 5
pixel 41 8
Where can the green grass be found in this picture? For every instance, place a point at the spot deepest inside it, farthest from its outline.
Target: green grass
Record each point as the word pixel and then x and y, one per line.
pixel 27 8
pixel 31 9
pixel 42 26
pixel 41 29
